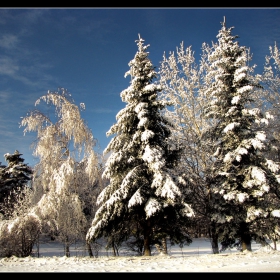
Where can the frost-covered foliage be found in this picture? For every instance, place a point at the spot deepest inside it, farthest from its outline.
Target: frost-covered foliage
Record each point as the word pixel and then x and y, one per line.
pixel 18 236
pixel 18 231
pixel 269 95
pixel 245 181
pixel 15 176
pixel 184 84
pixel 17 203
pixel 268 98
pixel 19 228
pixel 144 196
pixel 68 166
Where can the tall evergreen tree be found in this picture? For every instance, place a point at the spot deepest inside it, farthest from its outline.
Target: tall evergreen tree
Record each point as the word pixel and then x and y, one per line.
pixel 244 180
pixel 144 196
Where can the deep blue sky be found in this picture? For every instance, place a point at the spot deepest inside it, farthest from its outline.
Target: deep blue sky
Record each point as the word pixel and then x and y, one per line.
pixel 87 51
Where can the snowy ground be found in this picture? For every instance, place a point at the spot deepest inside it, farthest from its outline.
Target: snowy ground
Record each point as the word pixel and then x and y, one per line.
pixel 197 257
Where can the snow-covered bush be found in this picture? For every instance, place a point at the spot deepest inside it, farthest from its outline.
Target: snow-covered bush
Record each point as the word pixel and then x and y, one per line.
pixel 18 236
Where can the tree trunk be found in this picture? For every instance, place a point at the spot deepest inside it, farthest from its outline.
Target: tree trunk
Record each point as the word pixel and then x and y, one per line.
pixel 164 245
pixel 89 249
pixel 147 248
pixel 38 247
pixel 245 237
pixel 162 248
pixel 114 251
pixel 275 244
pixel 67 248
pixel 214 239
pixel 215 244
pixel 147 239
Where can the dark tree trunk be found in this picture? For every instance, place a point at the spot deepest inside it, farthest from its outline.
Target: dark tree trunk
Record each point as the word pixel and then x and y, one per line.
pixel 245 237
pixel 115 249
pixel 147 239
pixel 147 248
pixel 38 246
pixel 214 239
pixel 67 248
pixel 215 244
pixel 89 249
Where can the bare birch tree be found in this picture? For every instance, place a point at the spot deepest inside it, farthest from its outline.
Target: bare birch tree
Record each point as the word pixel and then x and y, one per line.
pixel 63 144
pixel 184 83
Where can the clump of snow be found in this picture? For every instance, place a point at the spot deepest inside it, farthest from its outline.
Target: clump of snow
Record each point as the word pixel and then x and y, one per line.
pixel 257 144
pixel 169 189
pixel 146 135
pixel 152 206
pixel 228 157
pixel 258 174
pixel 230 126
pixel 260 135
pixel 244 89
pixel 235 99
pixel 242 197
pixel 276 213
pixel 153 156
pixel 136 199
pixel 274 167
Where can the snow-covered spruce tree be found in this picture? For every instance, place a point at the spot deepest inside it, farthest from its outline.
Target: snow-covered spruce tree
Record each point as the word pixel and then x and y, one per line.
pixel 67 170
pixel 144 196
pixel 268 99
pixel 13 177
pixel 244 179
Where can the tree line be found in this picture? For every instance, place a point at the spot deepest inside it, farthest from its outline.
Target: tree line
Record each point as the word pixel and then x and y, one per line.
pixel 194 151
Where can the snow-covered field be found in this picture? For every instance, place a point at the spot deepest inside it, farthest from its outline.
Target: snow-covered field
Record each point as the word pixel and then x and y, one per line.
pixel 197 257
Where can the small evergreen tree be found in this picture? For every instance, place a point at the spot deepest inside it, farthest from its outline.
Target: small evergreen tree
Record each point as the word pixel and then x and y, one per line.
pixel 245 182
pixel 13 177
pixel 144 197
pixel 19 229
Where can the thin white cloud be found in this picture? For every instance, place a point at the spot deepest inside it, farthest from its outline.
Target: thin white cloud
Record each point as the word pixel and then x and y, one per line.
pixel 8 41
pixel 4 95
pixel 8 66
pixel 15 69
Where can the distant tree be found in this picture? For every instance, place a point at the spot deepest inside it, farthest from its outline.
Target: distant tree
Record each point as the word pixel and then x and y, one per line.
pixel 144 197
pixel 15 176
pixel 245 182
pixel 67 171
